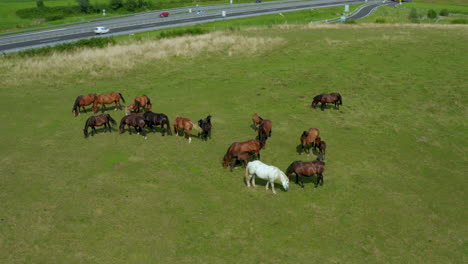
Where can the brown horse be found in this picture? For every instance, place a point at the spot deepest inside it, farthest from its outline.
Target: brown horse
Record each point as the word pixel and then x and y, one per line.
pixel 332 98
pixel 82 101
pixel 104 99
pixel 140 101
pixel 308 139
pixel 186 124
pixel 246 146
pixel 244 157
pixel 95 121
pixel 307 169
pixel 136 121
pixel 266 126
pixel 322 146
pixel 257 120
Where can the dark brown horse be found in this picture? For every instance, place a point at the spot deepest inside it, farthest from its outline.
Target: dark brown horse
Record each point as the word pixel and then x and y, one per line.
pixel 96 121
pixel 244 157
pixel 136 121
pixel 82 101
pixel 332 98
pixel 104 99
pixel 308 139
pixel 322 146
pixel 205 125
pixel 186 124
pixel 156 119
pixel 307 169
pixel 139 102
pixel 246 146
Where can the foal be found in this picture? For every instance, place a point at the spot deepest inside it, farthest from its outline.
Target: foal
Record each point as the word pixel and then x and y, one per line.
pixel 244 157
pixel 205 125
pixel 322 146
pixel 308 139
pixel 186 124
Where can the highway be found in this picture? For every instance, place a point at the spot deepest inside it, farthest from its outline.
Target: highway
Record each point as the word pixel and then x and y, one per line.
pixel 151 21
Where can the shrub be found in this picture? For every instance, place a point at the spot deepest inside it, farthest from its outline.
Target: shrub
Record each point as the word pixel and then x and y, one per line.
pixel 116 4
pixel 53 17
pixel 413 15
pixel 350 22
pixel 40 3
pixel 380 20
pixel 84 43
pixel 131 5
pixel 431 14
pixel 444 12
pixel 459 21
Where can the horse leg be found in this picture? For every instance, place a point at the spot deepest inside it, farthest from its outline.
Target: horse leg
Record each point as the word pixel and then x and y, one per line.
pixel 323 106
pixel 189 134
pixel 253 180
pixel 84 109
pixel 302 181
pixel 272 187
pixel 94 130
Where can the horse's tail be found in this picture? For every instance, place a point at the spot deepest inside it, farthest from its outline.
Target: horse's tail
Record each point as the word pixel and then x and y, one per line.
pixel 339 98
pixel 77 103
pixel 197 127
pixel 121 97
pixel 169 131
pixel 112 120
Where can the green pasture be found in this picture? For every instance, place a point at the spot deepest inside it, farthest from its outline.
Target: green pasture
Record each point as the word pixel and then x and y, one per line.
pixel 395 182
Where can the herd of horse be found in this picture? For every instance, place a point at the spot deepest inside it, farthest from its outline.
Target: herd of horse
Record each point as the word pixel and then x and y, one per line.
pixel 246 153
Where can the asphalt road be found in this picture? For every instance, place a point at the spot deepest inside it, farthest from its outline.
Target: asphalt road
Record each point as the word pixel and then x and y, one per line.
pixel 151 21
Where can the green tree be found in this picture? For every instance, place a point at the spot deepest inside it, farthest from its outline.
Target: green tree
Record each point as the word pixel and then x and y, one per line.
pixel 116 4
pixel 131 5
pixel 39 3
pixel 413 15
pixel 84 5
pixel 431 14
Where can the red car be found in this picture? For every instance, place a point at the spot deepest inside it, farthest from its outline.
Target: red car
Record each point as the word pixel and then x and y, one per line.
pixel 164 14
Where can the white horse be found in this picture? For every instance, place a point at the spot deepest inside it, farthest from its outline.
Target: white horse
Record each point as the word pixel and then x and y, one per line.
pixel 266 172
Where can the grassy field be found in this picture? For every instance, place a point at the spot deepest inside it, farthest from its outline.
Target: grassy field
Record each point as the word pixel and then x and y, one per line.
pixel 395 184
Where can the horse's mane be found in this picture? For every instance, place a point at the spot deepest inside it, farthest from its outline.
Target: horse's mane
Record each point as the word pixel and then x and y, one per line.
pixel 292 164
pixel 77 102
pixel 318 97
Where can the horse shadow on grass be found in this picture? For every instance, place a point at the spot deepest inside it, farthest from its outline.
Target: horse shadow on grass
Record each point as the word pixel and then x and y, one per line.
pixel 260 183
pixel 300 151
pixel 307 181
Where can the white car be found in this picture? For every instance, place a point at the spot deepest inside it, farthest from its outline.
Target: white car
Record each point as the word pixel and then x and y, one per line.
pixel 101 30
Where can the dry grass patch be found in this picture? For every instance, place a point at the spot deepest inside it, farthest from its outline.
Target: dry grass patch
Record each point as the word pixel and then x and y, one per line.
pixel 129 55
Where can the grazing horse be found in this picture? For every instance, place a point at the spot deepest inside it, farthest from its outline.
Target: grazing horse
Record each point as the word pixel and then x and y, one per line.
pixel 322 146
pixel 238 147
pixel 82 101
pixel 157 119
pixel 257 120
pixel 205 125
pixel 332 98
pixel 104 99
pixel 266 172
pixel 308 139
pixel 95 121
pixel 186 124
pixel 245 157
pixel 140 101
pixel 307 169
pixel 136 121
